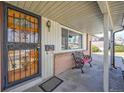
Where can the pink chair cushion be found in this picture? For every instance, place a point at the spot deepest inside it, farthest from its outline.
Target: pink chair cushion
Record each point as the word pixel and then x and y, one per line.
pixel 86 60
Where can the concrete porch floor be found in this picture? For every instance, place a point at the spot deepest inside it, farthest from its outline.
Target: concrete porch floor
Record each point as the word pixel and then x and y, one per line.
pixel 90 81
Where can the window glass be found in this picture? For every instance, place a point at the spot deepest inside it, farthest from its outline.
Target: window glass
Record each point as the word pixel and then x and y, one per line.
pixel 21 27
pixel 71 40
pixel 64 38
pixel 74 40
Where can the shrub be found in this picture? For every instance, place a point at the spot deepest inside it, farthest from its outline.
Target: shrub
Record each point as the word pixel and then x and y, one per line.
pixel 95 49
pixel 119 48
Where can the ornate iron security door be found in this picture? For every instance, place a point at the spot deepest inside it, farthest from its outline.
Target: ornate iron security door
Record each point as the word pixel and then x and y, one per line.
pixel 23 46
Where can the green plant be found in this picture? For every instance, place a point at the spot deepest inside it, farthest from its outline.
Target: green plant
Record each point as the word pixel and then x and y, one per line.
pixel 95 49
pixel 119 48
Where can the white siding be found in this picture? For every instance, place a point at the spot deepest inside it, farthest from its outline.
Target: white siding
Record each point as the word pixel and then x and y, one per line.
pixel 52 37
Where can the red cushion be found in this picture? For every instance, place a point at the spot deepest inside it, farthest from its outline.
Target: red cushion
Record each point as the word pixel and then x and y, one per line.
pixel 86 60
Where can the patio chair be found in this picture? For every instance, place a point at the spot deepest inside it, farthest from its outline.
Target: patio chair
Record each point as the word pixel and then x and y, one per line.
pixel 81 59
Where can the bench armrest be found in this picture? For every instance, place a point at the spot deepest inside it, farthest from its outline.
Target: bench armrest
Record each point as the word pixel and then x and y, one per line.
pixel 87 56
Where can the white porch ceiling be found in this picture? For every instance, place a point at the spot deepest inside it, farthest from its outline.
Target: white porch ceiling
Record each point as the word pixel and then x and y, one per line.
pixel 84 16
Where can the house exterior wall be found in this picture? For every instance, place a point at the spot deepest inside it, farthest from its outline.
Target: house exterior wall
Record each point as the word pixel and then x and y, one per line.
pixel 89 44
pixel 50 36
pixel 87 49
pixel 64 61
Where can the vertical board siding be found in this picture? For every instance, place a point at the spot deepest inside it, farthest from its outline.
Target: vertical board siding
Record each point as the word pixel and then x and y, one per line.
pixel 51 37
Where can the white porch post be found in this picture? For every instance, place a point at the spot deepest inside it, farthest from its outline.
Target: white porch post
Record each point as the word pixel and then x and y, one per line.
pixel 108 24
pixel 106 54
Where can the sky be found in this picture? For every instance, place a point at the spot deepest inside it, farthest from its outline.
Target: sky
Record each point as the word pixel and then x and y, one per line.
pixel 120 34
pixel 99 35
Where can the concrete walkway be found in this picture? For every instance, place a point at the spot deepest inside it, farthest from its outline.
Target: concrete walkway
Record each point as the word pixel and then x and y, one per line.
pixel 90 81
pixel 75 81
pixel 119 61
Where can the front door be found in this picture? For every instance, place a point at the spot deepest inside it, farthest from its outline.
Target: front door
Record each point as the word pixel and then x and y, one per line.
pixel 22 37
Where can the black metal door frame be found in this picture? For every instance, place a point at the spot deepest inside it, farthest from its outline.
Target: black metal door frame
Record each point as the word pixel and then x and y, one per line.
pixel 5 84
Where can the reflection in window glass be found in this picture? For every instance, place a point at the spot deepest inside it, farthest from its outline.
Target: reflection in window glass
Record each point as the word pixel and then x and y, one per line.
pixel 74 40
pixel 71 40
pixel 64 38
pixel 22 63
pixel 22 31
pixel 22 27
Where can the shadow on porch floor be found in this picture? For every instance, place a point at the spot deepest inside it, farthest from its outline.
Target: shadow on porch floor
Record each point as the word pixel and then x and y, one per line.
pixel 90 81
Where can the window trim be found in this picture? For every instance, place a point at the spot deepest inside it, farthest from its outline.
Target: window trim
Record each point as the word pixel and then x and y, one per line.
pixel 87 39
pixel 75 31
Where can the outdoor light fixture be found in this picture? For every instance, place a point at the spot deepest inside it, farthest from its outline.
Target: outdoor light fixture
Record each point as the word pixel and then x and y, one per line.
pixel 48 24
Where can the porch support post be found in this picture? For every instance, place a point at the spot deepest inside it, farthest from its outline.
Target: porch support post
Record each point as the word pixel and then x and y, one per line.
pixel 106 54
pixel 108 24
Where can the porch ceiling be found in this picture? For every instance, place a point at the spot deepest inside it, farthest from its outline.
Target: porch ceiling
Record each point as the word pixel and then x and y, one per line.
pixel 82 15
pixel 117 12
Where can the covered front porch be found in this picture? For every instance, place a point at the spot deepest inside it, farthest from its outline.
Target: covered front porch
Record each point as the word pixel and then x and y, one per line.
pixel 90 81
pixel 38 39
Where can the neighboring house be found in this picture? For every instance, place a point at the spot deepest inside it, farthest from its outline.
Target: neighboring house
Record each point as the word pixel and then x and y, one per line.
pixel 99 42
pixel 119 40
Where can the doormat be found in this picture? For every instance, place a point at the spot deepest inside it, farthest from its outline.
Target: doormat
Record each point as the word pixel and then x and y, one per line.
pixel 51 84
